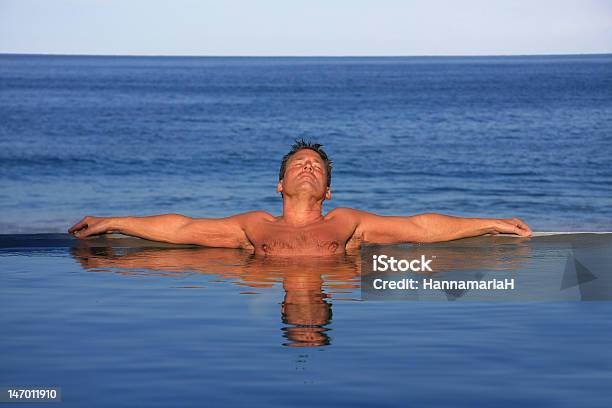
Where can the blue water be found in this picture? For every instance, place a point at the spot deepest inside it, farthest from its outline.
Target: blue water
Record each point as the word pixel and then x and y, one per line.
pixel 117 325
pixel 114 325
pixel 481 136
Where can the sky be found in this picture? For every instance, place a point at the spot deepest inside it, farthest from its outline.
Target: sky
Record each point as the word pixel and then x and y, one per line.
pixel 305 28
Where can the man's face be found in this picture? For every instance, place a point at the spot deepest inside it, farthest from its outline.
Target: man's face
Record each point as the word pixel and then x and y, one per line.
pixel 305 172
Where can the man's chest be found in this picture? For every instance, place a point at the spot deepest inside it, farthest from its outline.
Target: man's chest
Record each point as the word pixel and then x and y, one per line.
pixel 323 239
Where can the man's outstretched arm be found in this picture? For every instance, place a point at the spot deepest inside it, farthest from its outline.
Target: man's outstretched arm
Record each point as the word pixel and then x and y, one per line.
pixel 432 227
pixel 173 228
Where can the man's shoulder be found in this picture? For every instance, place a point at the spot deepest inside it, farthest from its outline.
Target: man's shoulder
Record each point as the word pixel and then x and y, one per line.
pixel 345 212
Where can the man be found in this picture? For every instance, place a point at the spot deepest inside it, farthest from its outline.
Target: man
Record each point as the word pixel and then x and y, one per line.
pixel 302 229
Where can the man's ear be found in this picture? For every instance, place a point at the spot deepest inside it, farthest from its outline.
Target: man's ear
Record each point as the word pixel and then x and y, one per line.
pixel 328 194
pixel 279 187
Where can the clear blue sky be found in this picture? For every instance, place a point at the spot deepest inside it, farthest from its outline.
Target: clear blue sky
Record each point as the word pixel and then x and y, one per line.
pixel 307 27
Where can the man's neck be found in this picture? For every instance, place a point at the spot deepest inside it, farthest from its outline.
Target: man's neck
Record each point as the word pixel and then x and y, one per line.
pixel 300 211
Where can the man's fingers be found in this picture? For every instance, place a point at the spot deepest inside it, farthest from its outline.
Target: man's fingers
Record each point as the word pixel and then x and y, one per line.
pixel 83 233
pixel 522 225
pixel 90 230
pixel 522 232
pixel 516 226
pixel 79 225
pixel 86 227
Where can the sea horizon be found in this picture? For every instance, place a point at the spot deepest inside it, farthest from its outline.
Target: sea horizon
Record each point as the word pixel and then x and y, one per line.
pixel 311 56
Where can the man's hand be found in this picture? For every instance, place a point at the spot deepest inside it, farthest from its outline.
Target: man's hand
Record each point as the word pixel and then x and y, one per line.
pixel 510 226
pixel 90 226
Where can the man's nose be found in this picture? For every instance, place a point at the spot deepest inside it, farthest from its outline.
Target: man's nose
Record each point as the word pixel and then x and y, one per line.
pixel 307 166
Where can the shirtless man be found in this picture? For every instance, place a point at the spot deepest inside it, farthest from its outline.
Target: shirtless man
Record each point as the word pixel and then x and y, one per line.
pixel 302 229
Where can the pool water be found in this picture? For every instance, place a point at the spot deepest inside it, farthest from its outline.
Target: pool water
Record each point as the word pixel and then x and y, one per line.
pixel 122 322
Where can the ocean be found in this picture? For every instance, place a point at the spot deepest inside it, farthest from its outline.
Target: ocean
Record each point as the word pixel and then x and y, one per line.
pixel 118 322
pixel 479 136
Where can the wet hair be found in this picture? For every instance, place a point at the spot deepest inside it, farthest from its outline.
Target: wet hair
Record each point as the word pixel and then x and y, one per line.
pixel 300 145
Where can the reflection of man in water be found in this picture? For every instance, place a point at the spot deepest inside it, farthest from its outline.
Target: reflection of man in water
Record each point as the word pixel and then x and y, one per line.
pixel 302 229
pixel 309 283
pixel 305 309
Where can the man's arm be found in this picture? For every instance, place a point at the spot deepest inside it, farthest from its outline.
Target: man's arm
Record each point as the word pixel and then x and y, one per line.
pixel 173 228
pixel 432 227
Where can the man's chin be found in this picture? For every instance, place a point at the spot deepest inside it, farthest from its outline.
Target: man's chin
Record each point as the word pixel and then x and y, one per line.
pixel 308 189
pixel 307 183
